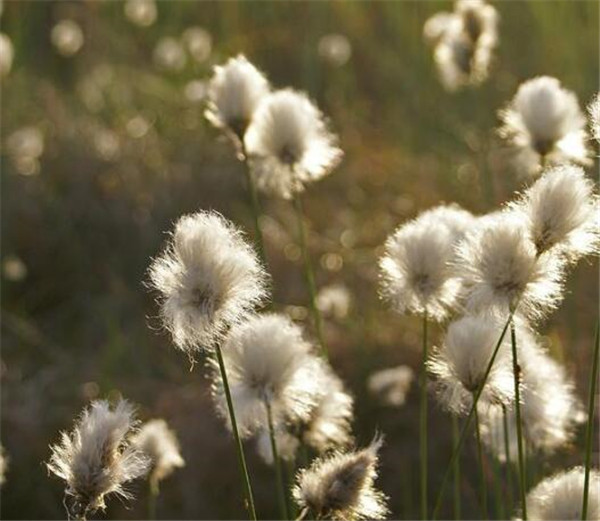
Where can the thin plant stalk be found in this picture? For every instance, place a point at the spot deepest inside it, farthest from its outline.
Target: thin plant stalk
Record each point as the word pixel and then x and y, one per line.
pixel 481 467
pixel 310 277
pixel 423 421
pixel 509 481
pixel 455 431
pixel 516 376
pixel 465 428
pixel 277 464
pixel 236 435
pixel 152 498
pixel 498 491
pixel 589 435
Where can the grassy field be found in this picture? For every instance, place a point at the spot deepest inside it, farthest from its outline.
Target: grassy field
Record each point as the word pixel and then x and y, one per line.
pixel 126 152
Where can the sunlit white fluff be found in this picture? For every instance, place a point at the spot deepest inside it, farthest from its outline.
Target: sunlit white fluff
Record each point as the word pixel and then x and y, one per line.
pixel 458 367
pixel 594 114
pixel 415 271
pixel 391 385
pixel 561 212
pixel 3 465
pixel 208 278
pixel 550 411
pixel 234 92
pixel 341 486
pixel 287 445
pixel 458 220
pixel 160 444
pixel 560 497
pixel 267 359
pixel 289 144
pixel 500 268
pixel 544 120
pixel 334 301
pixel 97 458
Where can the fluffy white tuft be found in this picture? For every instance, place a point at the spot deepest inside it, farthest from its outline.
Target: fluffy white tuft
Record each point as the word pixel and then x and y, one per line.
pixel 160 444
pixel 234 93
pixel 560 497
pixel 561 212
pixel 458 367
pixel 544 120
pixel 208 278
pixel 500 268
pixel 391 385
pixel 289 144
pixel 97 458
pixel 594 114
pixel 415 270
pixel 341 486
pixel 267 359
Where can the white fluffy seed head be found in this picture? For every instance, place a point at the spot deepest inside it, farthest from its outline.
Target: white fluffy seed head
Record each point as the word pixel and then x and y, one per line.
pixel 415 271
pixel 208 278
pixel 341 486
pixel 560 497
pixel 544 120
pixel 458 367
pixel 267 359
pixel 97 458
pixel 289 144
pixel 391 385
pixel 287 445
pixel 594 114
pixel 234 92
pixel 500 268
pixel 561 212
pixel 160 444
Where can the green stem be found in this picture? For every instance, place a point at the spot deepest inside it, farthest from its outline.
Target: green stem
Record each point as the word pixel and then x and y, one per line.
pixel 277 464
pixel 463 432
pixel 455 431
pixel 236 435
pixel 310 277
pixel 509 482
pixel 423 422
pixel 152 498
pixel 589 436
pixel 516 377
pixel 498 492
pixel 481 468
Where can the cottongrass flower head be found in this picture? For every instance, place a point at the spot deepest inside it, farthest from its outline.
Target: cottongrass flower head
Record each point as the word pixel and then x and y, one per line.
pixel 391 385
pixel 268 361
pixel 545 124
pixel 141 12
pixel 341 486
pixel 96 459
pixel 287 445
pixel 559 497
pixel 594 114
pixel 234 93
pixel 160 444
pixel 551 411
pixel 208 278
pixel 67 37
pixel 415 271
pixel 561 212
pixel 289 144
pixel 500 268
pixel 458 367
pixel 458 220
pixel 334 301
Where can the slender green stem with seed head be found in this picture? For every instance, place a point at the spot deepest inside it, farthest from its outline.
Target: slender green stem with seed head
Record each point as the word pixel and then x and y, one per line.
pixel 589 436
pixel 236 435
pixel 509 481
pixel 517 377
pixel 423 422
pixel 455 431
pixel 481 468
pixel 281 495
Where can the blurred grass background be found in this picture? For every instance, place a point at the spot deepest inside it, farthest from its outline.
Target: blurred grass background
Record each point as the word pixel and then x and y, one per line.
pixel 126 151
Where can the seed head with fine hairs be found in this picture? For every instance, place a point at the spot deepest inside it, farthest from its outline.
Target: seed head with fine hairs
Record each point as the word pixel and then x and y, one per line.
pixel 96 459
pixel 160 444
pixel 234 93
pixel 559 497
pixel 561 212
pixel 544 120
pixel 500 267
pixel 289 144
pixel 415 270
pixel 342 486
pixel 458 367
pixel 391 385
pixel 267 359
pixel 208 278
pixel 594 114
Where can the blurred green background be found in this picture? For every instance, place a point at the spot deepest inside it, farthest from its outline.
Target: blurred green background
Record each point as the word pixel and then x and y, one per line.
pixel 115 148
